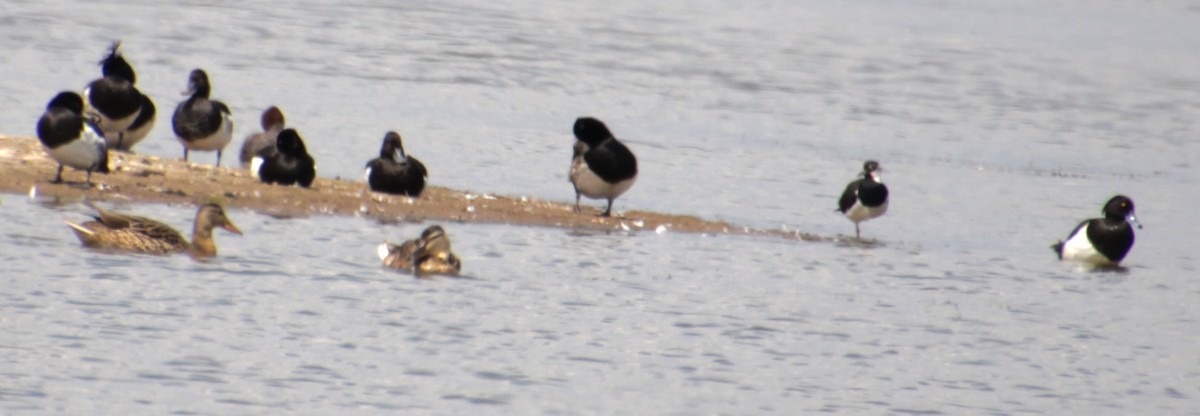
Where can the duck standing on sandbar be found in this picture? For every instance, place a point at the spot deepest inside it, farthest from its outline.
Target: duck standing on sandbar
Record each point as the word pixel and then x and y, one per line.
pixel 864 198
pixel 70 138
pixel 601 166
pixel 124 114
pixel 395 172
pixel 200 123
pixel 272 123
pixel 285 163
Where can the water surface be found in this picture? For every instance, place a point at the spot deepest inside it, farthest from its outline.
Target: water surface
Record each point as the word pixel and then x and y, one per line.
pixel 1000 125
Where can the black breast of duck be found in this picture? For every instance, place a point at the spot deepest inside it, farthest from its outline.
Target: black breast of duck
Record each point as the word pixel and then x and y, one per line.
pixel 286 163
pixel 395 172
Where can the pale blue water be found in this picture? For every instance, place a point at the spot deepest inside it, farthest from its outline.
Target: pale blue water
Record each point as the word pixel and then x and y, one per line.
pixel 1000 125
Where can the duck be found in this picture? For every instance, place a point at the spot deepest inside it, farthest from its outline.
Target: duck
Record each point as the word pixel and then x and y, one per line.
pixel 395 172
pixel 285 163
pixel 124 114
pixel 427 255
pixel 70 138
pixel 201 123
pixel 272 123
pixel 601 167
pixel 433 254
pixel 122 232
pixel 1102 241
pixel 864 198
pixel 398 256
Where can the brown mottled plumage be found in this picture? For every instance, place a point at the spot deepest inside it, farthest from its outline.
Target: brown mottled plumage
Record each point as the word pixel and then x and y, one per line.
pixel 398 256
pixel 143 235
pixel 426 255
pixel 433 255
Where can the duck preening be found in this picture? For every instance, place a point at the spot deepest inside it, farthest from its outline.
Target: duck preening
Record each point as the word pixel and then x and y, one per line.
pixel 601 166
pixel 429 254
pixel 864 198
pixel 123 113
pixel 70 138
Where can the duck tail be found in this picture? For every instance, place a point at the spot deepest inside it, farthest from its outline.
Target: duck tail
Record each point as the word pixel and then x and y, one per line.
pixel 1058 248
pixel 86 235
pixel 385 249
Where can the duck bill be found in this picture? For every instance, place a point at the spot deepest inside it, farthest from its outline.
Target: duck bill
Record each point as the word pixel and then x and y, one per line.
pixel 1133 220
pixel 232 228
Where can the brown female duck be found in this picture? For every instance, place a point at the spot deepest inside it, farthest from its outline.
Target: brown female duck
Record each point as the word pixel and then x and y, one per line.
pixel 426 255
pixel 143 235
pixel 398 256
pixel 433 255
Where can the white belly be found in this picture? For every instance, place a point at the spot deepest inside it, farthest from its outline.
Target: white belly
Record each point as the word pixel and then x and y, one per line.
pixel 1078 248
pixel 859 212
pixel 82 154
pixel 132 137
pixel 593 186
pixel 215 141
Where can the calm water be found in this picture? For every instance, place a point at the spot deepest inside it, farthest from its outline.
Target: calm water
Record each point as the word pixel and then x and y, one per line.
pixel 999 124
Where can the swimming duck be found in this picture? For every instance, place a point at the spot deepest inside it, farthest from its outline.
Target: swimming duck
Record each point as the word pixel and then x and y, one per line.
pixel 285 163
pixel 393 171
pixel 601 167
pixel 864 198
pixel 425 255
pixel 124 114
pixel 200 123
pixel 71 139
pixel 143 235
pixel 272 124
pixel 1102 241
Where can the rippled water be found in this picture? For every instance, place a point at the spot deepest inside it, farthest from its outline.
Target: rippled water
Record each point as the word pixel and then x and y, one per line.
pixel 999 125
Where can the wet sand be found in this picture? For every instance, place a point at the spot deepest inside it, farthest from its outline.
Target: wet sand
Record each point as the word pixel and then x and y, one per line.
pixel 144 178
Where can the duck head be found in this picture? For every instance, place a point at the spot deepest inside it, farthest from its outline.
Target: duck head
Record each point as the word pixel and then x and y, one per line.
pixel 1120 208
pixel 290 143
pixel 68 100
pixel 392 147
pixel 114 65
pixel 591 131
pixel 271 117
pixel 198 85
